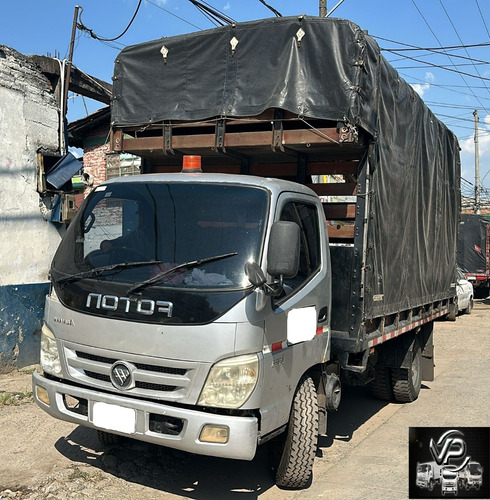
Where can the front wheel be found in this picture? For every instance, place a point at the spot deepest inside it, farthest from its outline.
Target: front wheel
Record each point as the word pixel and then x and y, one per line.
pixel 297 447
pixel 407 381
pixel 470 306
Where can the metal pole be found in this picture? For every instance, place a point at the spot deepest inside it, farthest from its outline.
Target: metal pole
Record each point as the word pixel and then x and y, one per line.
pixel 70 59
pixel 477 166
pixel 323 8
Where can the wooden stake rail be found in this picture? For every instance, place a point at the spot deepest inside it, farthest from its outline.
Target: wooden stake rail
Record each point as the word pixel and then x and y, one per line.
pixel 323 155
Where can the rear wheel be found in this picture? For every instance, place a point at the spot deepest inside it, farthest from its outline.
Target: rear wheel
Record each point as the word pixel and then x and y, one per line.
pixel 470 306
pixel 406 382
pixel 295 450
pixel 453 311
pixel 381 387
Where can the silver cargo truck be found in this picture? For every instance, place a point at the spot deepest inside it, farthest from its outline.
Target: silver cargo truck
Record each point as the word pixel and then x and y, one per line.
pixel 309 240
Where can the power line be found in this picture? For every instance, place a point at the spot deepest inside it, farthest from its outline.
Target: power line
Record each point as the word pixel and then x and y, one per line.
pixel 482 18
pixel 214 15
pixel 449 57
pixel 173 14
pixel 274 11
pixel 459 38
pixel 454 70
pixel 411 47
pixel 82 27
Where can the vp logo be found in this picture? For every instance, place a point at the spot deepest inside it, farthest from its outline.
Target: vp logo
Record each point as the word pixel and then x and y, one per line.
pixel 450 450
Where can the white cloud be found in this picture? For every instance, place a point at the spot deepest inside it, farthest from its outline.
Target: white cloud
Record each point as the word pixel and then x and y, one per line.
pixel 422 88
pixel 227 6
pixel 468 145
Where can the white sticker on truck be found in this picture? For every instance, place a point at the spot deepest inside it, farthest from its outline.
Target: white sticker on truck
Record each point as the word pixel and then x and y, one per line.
pixel 301 324
pixel 114 418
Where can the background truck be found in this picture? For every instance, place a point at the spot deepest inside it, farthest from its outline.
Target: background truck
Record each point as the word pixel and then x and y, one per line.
pixel 473 256
pixel 314 240
pixel 449 482
pixel 471 476
pixel 428 475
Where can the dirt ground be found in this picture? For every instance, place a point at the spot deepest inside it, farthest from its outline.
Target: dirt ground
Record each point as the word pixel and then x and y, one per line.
pixel 364 456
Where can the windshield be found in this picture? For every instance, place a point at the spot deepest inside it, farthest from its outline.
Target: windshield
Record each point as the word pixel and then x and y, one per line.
pixel 161 230
pixel 474 468
pixel 449 474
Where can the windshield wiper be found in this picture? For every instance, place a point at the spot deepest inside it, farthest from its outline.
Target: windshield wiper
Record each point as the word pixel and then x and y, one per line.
pixel 97 271
pixel 188 265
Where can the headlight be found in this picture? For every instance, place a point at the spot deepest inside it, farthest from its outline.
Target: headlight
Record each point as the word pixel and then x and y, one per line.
pixel 230 382
pixel 50 358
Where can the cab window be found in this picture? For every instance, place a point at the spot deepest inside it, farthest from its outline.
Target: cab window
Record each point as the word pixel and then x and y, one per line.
pixel 306 216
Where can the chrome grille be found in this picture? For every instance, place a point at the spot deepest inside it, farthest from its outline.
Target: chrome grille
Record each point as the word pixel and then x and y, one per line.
pixel 153 377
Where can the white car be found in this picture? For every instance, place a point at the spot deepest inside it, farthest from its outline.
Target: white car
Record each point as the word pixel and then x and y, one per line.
pixel 464 290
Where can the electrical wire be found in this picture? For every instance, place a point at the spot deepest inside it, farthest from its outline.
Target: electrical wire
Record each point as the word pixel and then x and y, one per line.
pixel 461 73
pixel 274 11
pixel 173 14
pixel 459 38
pixel 82 27
pixel 453 69
pixel 214 15
pixel 482 18
pixel 434 49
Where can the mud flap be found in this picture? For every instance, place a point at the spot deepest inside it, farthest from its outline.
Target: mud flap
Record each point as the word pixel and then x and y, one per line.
pixel 426 339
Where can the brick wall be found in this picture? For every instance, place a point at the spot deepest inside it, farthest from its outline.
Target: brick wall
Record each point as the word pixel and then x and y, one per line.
pixel 95 148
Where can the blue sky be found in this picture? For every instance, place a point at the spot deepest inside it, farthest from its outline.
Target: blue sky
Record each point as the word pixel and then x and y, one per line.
pixel 453 82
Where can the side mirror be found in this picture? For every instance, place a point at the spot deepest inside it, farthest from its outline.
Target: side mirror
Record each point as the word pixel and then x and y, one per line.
pixel 255 274
pixel 283 252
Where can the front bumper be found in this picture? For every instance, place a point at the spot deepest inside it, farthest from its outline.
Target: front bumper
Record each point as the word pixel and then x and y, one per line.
pixel 156 423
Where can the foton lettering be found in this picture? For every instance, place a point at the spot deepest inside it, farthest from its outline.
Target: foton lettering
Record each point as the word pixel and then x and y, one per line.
pixel 125 304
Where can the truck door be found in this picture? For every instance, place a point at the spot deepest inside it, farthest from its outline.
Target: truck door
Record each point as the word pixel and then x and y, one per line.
pixel 297 328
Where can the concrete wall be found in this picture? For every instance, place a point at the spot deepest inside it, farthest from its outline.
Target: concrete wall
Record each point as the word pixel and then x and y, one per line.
pixel 28 240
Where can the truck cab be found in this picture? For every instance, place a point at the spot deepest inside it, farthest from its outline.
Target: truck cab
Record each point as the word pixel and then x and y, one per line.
pixel 449 482
pixel 153 328
pixel 471 476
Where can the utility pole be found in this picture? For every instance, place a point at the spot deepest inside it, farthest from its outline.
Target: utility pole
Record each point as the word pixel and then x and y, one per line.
pixel 323 8
pixel 477 166
pixel 70 59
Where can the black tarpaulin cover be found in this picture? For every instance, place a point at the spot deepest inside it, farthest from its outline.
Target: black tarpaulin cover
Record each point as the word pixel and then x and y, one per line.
pixel 324 75
pixel 327 69
pixel 472 243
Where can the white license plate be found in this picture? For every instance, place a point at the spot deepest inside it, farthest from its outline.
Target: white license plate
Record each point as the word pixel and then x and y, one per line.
pixel 114 418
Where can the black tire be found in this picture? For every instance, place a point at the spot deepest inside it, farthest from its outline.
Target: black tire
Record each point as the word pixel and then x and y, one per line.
pixel 406 382
pixel 298 445
pixel 381 387
pixel 453 311
pixel 470 307
pixel 333 392
pixel 107 438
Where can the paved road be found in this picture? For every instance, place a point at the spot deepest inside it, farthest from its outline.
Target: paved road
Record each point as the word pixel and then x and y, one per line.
pixel 365 455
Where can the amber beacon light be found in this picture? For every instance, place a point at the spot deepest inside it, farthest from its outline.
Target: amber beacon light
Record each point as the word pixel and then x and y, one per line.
pixel 191 164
